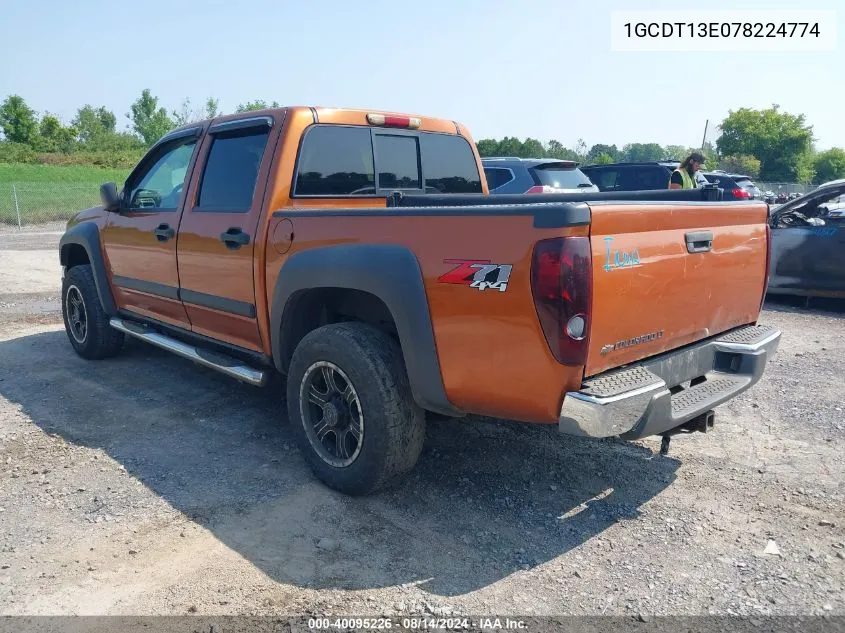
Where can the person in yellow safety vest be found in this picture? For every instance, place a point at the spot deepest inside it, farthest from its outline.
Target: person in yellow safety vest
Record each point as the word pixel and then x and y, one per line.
pixel 684 176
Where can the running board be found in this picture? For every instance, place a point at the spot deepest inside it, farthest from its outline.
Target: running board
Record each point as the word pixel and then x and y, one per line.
pixel 222 363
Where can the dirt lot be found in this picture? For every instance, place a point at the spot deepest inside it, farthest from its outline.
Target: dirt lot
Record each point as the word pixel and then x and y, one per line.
pixel 146 485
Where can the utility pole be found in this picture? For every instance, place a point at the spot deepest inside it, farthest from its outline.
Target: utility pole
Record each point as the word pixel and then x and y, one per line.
pixel 704 138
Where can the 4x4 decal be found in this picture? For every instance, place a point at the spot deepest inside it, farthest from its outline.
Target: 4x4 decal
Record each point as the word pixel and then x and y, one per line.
pixel 480 274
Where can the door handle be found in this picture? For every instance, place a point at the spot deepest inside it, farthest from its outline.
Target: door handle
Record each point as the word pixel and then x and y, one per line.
pixel 699 241
pixel 234 238
pixel 163 232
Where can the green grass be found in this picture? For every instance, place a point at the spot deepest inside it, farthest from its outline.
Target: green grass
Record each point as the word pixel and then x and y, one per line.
pixel 74 174
pixel 47 193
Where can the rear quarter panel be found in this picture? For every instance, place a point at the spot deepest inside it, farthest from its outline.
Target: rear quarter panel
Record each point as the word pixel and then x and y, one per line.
pixel 493 355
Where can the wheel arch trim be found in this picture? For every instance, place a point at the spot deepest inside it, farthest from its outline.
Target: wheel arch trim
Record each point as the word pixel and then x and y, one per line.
pixel 389 272
pixel 87 235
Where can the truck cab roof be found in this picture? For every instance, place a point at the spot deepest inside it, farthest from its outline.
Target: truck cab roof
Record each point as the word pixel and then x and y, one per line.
pixel 342 116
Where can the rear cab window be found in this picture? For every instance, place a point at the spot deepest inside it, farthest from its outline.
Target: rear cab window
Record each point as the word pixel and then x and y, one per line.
pixel 448 164
pixel 341 161
pixel 397 161
pixel 336 161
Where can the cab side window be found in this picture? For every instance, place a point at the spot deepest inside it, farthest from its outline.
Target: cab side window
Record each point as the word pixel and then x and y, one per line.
pixel 159 186
pixel 231 170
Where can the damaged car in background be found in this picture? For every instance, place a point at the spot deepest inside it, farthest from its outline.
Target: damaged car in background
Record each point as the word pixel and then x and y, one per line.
pixel 808 244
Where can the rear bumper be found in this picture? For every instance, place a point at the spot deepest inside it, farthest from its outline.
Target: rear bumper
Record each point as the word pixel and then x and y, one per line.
pixel 655 395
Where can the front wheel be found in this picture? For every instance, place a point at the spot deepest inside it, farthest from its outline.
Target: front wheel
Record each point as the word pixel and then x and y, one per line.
pixel 351 408
pixel 86 323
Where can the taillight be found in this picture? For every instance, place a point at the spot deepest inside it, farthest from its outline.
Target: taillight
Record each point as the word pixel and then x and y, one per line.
pixel 741 194
pixel 390 120
pixel 561 282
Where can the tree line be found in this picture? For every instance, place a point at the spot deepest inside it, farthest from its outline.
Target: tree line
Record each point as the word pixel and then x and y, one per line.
pixel 92 137
pixel 768 144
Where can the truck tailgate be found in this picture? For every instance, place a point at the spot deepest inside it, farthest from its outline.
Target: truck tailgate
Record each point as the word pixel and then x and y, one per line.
pixel 666 275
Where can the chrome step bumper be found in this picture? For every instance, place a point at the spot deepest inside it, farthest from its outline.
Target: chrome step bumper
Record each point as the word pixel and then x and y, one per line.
pixel 654 396
pixel 222 363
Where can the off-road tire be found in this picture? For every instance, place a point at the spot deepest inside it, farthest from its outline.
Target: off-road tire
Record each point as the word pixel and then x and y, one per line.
pixel 100 340
pixel 393 425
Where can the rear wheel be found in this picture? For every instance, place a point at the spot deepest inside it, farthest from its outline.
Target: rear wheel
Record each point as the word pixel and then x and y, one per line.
pixel 351 408
pixel 86 323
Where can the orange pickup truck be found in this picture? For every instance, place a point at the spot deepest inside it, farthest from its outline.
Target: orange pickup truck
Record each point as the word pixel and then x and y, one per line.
pixel 358 254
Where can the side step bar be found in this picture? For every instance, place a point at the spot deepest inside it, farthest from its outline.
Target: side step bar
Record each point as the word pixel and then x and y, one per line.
pixel 222 363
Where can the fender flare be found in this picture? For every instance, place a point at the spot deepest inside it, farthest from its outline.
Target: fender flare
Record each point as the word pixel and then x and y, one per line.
pixel 87 235
pixel 389 272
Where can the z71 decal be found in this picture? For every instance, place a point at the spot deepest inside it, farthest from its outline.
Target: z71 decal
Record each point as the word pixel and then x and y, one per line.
pixel 477 273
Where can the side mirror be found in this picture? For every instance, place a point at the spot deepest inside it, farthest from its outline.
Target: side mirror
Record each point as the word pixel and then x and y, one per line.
pixel 109 196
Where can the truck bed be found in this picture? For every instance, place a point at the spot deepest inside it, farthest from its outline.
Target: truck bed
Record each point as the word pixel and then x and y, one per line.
pixel 669 267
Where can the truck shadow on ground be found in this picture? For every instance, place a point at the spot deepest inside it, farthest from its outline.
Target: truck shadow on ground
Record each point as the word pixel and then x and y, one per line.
pixel 487 498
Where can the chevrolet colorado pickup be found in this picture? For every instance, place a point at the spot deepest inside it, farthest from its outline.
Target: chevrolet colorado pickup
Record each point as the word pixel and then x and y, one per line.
pixel 358 254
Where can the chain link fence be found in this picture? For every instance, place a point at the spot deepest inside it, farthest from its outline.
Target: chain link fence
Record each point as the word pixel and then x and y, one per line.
pixel 33 203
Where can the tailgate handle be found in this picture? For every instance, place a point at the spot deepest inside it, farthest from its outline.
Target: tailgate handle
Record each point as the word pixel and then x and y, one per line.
pixel 699 241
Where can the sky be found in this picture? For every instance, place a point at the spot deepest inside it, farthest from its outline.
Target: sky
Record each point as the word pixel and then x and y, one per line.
pixel 538 68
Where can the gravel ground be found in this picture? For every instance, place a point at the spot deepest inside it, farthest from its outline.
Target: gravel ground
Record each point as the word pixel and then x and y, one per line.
pixel 146 485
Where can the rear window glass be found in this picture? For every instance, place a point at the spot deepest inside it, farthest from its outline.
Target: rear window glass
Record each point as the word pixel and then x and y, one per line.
pixel 398 160
pixel 497 176
pixel 560 177
pixel 449 164
pixel 339 160
pixel 336 161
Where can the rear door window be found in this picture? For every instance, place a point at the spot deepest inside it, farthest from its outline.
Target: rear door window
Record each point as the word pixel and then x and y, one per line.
pixel 231 171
